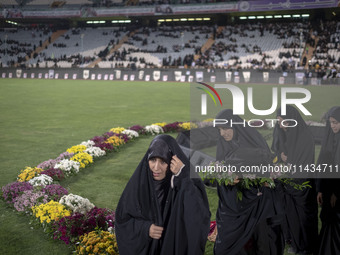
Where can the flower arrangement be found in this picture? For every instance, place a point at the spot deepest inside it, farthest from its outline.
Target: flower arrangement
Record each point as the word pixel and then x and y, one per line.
pixel 130 133
pixel 172 127
pixel 56 174
pixel 154 130
pixel 29 198
pixel 139 129
pixel 98 242
pixel 88 143
pixel 41 180
pixel 68 166
pixel 49 212
pixel 29 173
pixel 76 149
pixel 161 124
pixel 83 159
pixel 54 191
pixel 117 130
pixel 14 189
pixel 115 141
pixel 95 152
pixel 68 229
pixel 76 203
pixel 187 125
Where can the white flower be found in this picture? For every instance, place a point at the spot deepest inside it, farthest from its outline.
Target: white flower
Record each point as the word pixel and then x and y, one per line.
pixel 130 133
pixel 68 166
pixel 95 151
pixel 76 203
pixel 41 180
pixel 154 129
pixel 88 143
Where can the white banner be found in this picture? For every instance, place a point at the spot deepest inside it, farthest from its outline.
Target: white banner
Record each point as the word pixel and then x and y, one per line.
pixel 93 76
pixel 132 77
pixel 282 80
pixel 237 79
pixel 86 74
pixel 199 76
pixel 10 75
pixel 178 75
pixel 265 76
pixel 25 75
pixel 228 76
pixel 56 76
pixel 18 73
pixel 141 75
pixel 66 76
pixel 183 78
pixel 213 78
pixel 51 74
pixel 46 75
pixel 299 78
pixel 74 76
pixel 3 75
pixel 118 74
pixel 32 75
pixel 165 77
pixel 99 76
pixel 106 77
pixel 147 77
pixel 156 75
pixel 125 77
pixel 39 75
pixel 191 78
pixel 246 76
pixel 111 77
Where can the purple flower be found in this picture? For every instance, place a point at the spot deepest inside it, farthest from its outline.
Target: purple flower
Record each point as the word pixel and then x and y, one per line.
pixel 55 191
pixel 55 173
pixel 47 164
pixel 28 199
pixel 123 137
pixel 172 127
pixel 139 129
pixel 14 189
pixel 108 134
pixel 98 140
pixel 64 155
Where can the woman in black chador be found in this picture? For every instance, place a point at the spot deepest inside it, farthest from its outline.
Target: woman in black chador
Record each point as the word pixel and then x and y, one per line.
pixel 295 145
pixel 250 225
pixel 162 209
pixel 329 189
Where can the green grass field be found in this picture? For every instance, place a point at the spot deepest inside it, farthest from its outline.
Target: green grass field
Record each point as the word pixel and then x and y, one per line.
pixel 39 119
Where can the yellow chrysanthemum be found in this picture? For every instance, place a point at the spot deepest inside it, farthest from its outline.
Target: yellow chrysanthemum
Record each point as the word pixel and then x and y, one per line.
pixel 50 211
pixel 76 149
pixel 117 130
pixel 208 120
pixel 29 173
pixel 188 125
pixel 161 124
pixel 83 158
pixel 93 243
pixel 115 141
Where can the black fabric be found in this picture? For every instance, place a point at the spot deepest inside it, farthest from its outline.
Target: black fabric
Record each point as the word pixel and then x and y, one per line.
pixel 330 216
pixel 186 216
pixel 249 225
pixel 300 225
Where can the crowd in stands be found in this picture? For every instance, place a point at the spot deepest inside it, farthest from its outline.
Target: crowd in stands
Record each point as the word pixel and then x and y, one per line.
pixel 278 46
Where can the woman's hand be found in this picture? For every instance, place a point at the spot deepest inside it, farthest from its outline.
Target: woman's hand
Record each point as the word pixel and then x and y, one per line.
pixel 175 165
pixel 155 232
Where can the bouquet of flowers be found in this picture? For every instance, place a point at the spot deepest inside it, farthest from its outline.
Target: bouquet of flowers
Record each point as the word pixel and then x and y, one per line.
pixel 76 203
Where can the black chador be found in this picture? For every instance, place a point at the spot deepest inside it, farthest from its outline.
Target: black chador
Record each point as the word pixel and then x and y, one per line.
pixel 250 225
pixel 329 189
pixel 295 145
pixel 181 208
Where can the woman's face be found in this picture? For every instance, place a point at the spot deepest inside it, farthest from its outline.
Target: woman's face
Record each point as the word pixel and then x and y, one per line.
pixel 227 133
pixel 158 168
pixel 335 125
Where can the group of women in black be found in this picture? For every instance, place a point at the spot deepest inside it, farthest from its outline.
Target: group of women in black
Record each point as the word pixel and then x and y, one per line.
pixel 164 207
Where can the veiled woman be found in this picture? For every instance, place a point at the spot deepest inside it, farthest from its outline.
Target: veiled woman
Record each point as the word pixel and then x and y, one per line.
pixel 162 209
pixel 329 189
pixel 246 221
pixel 294 144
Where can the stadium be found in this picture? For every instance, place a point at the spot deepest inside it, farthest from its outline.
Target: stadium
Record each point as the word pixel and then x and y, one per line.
pixel 76 70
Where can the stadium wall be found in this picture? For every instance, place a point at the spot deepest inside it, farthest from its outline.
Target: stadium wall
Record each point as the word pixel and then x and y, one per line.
pixel 179 75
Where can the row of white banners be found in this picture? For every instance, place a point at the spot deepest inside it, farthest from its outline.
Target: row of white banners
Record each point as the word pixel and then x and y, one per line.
pixel 181 76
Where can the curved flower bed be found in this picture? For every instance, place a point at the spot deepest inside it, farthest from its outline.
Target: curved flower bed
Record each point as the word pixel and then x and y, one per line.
pixel 66 216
